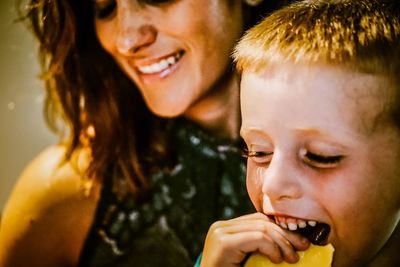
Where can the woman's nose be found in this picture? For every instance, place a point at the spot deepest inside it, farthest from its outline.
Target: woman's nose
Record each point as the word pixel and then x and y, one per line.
pixel 281 180
pixel 134 31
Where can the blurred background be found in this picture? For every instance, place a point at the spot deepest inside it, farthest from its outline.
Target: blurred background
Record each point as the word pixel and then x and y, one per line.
pixel 23 132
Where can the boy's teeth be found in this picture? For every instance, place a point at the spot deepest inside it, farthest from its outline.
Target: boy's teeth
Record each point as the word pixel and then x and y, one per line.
pixel 316 233
pixel 159 66
pixel 301 223
pixel 283 225
pixel 312 223
pixel 292 226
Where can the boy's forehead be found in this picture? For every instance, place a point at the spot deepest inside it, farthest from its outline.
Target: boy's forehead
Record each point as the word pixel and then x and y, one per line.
pixel 370 96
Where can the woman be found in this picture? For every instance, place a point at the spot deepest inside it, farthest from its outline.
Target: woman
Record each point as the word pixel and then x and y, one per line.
pixel 150 155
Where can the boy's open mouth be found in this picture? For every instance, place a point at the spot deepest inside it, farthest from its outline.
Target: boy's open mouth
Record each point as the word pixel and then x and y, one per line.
pixel 316 232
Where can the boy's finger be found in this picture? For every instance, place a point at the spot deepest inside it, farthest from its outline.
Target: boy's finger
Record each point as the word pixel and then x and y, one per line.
pixel 246 225
pixel 257 241
pixel 296 240
pixel 287 249
pixel 255 216
pixel 250 222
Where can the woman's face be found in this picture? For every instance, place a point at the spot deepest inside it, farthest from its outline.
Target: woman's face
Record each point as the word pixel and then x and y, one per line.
pixel 174 50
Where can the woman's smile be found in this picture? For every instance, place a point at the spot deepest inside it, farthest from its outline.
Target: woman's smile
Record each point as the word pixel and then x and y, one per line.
pixel 173 57
pixel 158 68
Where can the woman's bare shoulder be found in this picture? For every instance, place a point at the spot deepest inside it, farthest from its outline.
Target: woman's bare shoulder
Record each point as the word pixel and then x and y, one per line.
pixel 50 179
pixel 49 212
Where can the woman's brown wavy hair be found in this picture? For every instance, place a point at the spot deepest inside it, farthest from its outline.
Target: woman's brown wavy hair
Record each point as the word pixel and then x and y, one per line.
pixel 86 88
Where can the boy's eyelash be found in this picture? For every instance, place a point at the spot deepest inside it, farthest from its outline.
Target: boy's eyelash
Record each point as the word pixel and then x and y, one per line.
pixel 312 159
pixel 255 154
pixel 323 159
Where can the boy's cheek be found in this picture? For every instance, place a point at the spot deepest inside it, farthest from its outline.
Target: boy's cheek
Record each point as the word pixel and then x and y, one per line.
pixel 254 188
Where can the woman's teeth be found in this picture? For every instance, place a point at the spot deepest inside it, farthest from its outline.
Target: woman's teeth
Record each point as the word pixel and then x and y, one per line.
pixel 160 65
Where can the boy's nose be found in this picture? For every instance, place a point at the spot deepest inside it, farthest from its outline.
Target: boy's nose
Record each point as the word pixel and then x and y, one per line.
pixel 134 30
pixel 281 180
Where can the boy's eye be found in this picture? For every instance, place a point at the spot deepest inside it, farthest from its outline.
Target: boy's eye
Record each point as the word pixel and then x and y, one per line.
pixel 104 8
pixel 322 161
pixel 258 156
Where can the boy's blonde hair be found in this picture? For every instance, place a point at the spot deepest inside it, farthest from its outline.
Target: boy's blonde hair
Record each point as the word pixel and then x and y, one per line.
pixel 363 35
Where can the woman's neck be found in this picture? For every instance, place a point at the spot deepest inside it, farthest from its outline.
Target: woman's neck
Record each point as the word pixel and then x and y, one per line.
pixel 219 110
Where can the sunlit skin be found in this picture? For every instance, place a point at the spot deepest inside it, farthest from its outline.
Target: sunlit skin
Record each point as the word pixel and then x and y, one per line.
pixel 198 34
pixel 322 159
pixel 320 150
pixel 200 84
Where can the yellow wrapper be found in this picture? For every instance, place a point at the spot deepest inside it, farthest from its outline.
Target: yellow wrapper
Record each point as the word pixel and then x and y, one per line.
pixel 314 256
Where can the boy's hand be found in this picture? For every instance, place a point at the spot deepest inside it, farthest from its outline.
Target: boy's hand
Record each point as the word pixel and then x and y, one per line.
pixel 228 242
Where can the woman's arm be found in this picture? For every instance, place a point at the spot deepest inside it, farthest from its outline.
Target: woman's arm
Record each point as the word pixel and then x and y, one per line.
pixel 48 215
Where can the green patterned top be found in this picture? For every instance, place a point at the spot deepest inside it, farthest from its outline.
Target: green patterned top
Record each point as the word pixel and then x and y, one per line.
pixel 206 184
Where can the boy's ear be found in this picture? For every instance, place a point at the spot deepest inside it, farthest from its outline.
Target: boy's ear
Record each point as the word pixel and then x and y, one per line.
pixel 252 2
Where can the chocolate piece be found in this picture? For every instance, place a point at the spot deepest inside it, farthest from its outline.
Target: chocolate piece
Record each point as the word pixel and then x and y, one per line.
pixel 317 234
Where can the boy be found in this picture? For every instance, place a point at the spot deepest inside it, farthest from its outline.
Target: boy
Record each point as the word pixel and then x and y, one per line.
pixel 321 121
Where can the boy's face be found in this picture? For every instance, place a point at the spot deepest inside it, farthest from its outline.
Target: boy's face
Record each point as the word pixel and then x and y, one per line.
pixel 323 154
